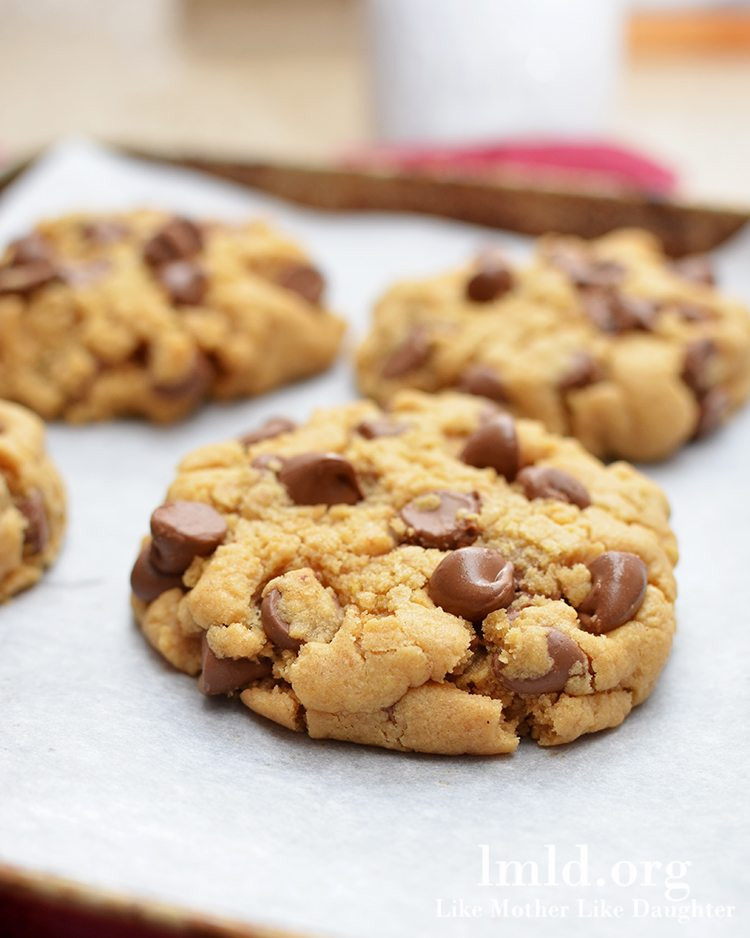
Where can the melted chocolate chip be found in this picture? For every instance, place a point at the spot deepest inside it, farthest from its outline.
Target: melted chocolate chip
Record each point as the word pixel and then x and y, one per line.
pixel 494 444
pixel 693 312
pixel 304 280
pixel 320 479
pixel 178 239
pixel 439 519
pixel 411 354
pixel 184 281
pixel 472 582
pixel 714 409
pixel 613 312
pixel 37 533
pixel 583 269
pixel 546 482
pixel 380 426
pixel 273 427
pixel 597 305
pixel 491 279
pixel 600 273
pixel 483 381
pixel 698 357
pixel 697 268
pixel 194 385
pixel 619 582
pixel 182 530
pixel 224 675
pixel 635 312
pixel 274 624
pixel 28 250
pixel 25 278
pixel 583 370
pixel 565 655
pixel 147 582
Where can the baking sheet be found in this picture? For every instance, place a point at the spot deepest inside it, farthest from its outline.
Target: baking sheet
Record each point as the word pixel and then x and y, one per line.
pixel 116 772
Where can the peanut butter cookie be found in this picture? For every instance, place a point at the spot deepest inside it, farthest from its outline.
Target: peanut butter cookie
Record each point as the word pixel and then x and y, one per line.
pixel 146 314
pixel 439 577
pixel 608 341
pixel 32 501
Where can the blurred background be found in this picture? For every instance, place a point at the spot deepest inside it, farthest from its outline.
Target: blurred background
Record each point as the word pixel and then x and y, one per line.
pixel 476 84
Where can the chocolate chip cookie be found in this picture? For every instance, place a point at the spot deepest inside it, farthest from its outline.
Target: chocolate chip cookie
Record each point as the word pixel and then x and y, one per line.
pixel 32 501
pixel 439 577
pixel 607 340
pixel 147 314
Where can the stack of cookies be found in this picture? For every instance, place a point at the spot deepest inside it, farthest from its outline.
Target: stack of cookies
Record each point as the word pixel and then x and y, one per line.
pixel 446 567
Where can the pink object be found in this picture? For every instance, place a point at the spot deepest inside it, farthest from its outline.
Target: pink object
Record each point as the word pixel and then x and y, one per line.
pixel 588 159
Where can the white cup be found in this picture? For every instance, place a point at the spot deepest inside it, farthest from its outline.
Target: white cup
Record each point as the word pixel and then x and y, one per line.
pixel 463 71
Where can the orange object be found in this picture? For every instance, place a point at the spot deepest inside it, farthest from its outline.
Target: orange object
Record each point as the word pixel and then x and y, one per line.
pixel 696 31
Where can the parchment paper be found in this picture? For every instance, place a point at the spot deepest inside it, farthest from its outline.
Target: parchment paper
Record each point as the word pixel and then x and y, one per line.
pixel 116 772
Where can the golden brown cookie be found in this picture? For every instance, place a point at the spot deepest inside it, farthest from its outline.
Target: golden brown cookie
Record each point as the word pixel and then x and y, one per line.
pixel 440 577
pixel 32 501
pixel 607 340
pixel 147 314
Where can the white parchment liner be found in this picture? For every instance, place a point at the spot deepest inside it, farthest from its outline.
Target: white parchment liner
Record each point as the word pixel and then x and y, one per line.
pixel 116 772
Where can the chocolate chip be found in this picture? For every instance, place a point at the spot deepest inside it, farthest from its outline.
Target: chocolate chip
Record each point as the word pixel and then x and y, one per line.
pixel 25 278
pixel 147 582
pixel 619 582
pixel 494 444
pixel 104 231
pixel 600 273
pixel 491 280
pixel 273 427
pixel 613 312
pixel 439 519
pixel 380 426
pixel 28 250
pixel 224 675
pixel 184 281
pixel 178 239
pixel 472 582
pixel 583 269
pixel 583 370
pixel 194 385
pixel 714 409
pixel 698 357
pixel 320 479
pixel 697 268
pixel 274 624
pixel 36 535
pixel 183 530
pixel 546 482
pixel 411 354
pixel 565 654
pixel 597 305
pixel 483 381
pixel 693 312
pixel 304 280
pixel 634 312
